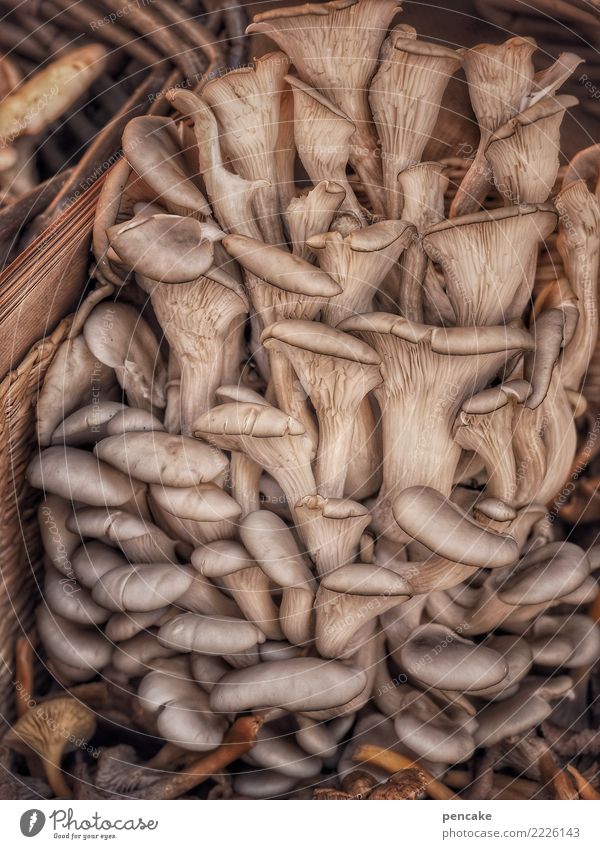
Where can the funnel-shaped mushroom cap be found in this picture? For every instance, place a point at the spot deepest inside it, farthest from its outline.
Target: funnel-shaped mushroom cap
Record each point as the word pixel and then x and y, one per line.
pixel 210 634
pixel 310 337
pixel 524 153
pixel 142 586
pixel 312 213
pixel 433 520
pixel 487 257
pixel 119 337
pixel 51 729
pixel 70 601
pixel 152 149
pixel 405 96
pixel 546 573
pixel 47 94
pixel 162 458
pixel 279 268
pixel 331 529
pixel 79 476
pixel 221 558
pixel 438 657
pixel 509 718
pixel 166 248
pixel 92 560
pixel 299 684
pixel 72 644
pixel 359 262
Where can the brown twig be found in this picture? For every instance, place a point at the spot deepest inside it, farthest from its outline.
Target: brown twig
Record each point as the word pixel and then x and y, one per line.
pixel 24 674
pixel 554 776
pixel 393 762
pixel 584 788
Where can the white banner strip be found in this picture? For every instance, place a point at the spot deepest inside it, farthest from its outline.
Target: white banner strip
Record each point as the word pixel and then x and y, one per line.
pixel 300 825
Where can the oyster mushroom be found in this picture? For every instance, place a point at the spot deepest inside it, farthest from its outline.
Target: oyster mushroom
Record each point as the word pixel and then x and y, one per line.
pixel 341 68
pixel 337 371
pixel 141 587
pixel 331 529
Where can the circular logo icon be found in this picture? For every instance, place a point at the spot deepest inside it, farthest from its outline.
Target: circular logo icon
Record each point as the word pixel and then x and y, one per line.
pixel 32 822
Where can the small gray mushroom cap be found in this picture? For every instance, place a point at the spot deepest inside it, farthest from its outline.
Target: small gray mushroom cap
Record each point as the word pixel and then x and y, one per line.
pixel 570 640
pixel 156 689
pixel 71 601
pixel 207 670
pixel 141 586
pixel 87 424
pixel 518 655
pixel 435 738
pixel 220 635
pixel 140 540
pixel 546 573
pixel 92 560
pixel 263 784
pixel 79 476
pixel 135 656
pixel 162 458
pixel 427 516
pixel 510 717
pixel 438 657
pixel 72 644
pixel 189 723
pixel 281 753
pixel 300 684
pixel 58 541
pixel 221 558
pixel 124 626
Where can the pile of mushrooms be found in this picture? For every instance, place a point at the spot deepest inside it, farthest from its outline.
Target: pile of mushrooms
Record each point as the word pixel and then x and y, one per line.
pixel 298 451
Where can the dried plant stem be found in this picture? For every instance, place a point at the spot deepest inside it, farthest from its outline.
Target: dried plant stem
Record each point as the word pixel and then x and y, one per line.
pixel 24 674
pixel 554 776
pixel 167 757
pixel 584 788
pixel 458 779
pixel 394 761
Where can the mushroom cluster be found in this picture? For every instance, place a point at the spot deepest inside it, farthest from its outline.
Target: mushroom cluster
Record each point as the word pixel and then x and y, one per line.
pixel 298 449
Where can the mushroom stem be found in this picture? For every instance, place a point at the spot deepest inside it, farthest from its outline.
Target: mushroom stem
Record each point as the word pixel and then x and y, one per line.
pixel 393 761
pixel 56 779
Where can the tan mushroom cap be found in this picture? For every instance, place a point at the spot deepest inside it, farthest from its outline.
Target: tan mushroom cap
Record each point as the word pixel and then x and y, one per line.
pixel 221 558
pixel 263 784
pixel 321 339
pixel 189 724
pixel 218 635
pixel 433 520
pixel 157 689
pixel 80 476
pixel 137 655
pixel 205 502
pixel 510 717
pixel 141 587
pixel 275 751
pixel 162 458
pixel 280 268
pixel 244 419
pixel 92 560
pixel 87 424
pixel 438 657
pixel 165 248
pixel 72 644
pixel 124 626
pixel 518 655
pixel 546 573
pixel 207 670
pixel 50 729
pixel 151 147
pixel 57 539
pixel 71 601
pixel 299 684
pixel 570 640
pixel 366 579
pixel 272 545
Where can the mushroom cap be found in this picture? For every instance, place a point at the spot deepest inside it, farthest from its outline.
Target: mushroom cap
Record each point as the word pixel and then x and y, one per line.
pixel 298 684
pixel 366 579
pixel 438 657
pixel 135 656
pixel 280 268
pixel 263 784
pixel 79 476
pixel 71 601
pixel 207 670
pixel 205 502
pixel 243 419
pixel 546 573
pixel 57 724
pixel 156 689
pixel 433 520
pixel 516 652
pixel 189 724
pixel 272 545
pixel 141 586
pixel 275 751
pixel 165 248
pixel 220 558
pixel 87 424
pixel 124 626
pixel 321 339
pixel 152 149
pixel 162 458
pixel 218 635
pixel 437 741
pixel 72 644
pixel 58 541
pixel 510 717
pixel 92 560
